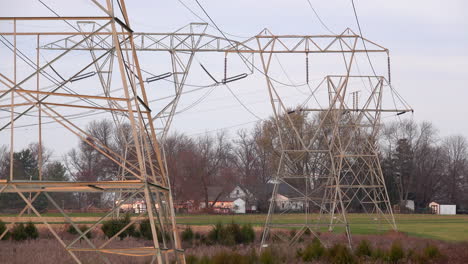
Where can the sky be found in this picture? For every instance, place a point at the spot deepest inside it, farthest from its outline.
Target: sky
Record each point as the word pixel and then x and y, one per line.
pixel 427 39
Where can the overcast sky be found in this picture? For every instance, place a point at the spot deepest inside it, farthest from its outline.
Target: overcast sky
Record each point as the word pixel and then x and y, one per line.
pixel 428 41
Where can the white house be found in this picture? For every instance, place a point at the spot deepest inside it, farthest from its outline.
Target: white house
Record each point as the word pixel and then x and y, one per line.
pixel 135 206
pixel 285 203
pixel 240 192
pixel 238 201
pixel 287 198
pixel 443 209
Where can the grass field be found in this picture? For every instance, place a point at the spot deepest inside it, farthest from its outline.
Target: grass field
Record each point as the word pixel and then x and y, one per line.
pixel 448 228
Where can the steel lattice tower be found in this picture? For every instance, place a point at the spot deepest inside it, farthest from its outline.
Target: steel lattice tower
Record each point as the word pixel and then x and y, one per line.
pixel 327 167
pixel 310 164
pixel 142 173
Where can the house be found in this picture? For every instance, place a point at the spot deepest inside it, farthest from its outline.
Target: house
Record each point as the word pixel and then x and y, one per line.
pixel 239 200
pixel 286 199
pixel 228 205
pixel 286 203
pixel 443 208
pixel 218 201
pixel 249 200
pixel 133 205
pixel 222 205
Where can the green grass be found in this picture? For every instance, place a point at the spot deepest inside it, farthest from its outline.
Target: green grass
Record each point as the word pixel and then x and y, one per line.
pixel 448 228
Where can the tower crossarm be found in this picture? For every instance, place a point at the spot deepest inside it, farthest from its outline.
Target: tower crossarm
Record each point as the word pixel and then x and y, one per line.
pixel 187 42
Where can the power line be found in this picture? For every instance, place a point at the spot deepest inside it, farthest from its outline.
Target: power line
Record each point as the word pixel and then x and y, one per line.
pixel 237 98
pixel 362 37
pixel 195 14
pixel 48 76
pixel 393 91
pixel 243 58
pixel 320 19
pixel 241 103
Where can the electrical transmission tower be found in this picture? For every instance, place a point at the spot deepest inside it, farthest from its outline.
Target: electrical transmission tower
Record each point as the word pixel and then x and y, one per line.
pixel 325 168
pixel 331 165
pixel 40 95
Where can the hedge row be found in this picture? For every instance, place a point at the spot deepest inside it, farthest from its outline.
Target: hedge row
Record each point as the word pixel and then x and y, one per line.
pixel 19 232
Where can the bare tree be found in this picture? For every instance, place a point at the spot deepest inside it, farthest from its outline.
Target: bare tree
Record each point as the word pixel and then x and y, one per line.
pixel 246 158
pixel 178 152
pixel 214 166
pixel 199 167
pixel 455 150
pixel 413 160
pixel 45 154
pixel 86 163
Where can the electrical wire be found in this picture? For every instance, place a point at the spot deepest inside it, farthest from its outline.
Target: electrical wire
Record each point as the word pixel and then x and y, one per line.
pixel 362 38
pixel 320 19
pixel 30 63
pixel 243 58
pixel 241 103
pixel 55 122
pixel 236 97
pixel 287 75
pixel 192 105
pixel 199 17
pixel 88 113
pixel 370 62
pixel 44 73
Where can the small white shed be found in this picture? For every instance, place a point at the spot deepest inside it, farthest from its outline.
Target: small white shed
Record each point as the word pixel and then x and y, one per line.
pixel 443 209
pixel 409 205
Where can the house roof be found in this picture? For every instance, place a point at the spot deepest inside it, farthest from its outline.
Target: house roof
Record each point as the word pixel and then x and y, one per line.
pixel 283 189
pixel 442 201
pixel 215 192
pixel 244 188
pixel 222 195
pixel 219 194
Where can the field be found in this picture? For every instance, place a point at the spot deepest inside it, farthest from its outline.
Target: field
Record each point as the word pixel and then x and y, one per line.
pixel 447 228
pixel 448 233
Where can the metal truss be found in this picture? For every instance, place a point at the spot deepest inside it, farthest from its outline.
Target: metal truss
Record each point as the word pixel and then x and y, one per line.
pixel 181 62
pixel 329 167
pixel 188 42
pixel 312 164
pixel 143 173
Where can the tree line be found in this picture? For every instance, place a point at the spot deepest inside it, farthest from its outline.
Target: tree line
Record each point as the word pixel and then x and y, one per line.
pixel 418 164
